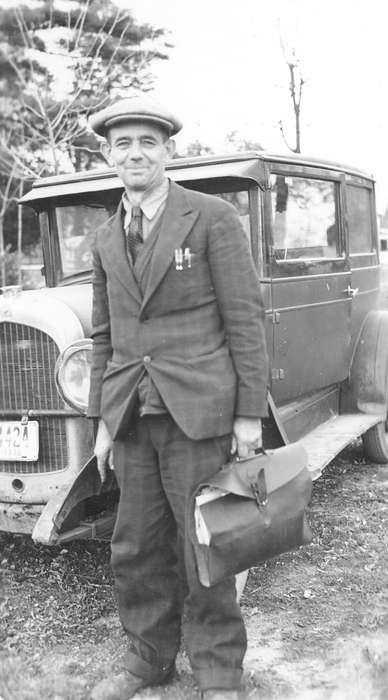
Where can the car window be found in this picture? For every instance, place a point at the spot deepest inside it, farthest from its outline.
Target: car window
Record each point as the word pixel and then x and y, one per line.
pixel 78 225
pixel 240 201
pixel 304 218
pixel 359 216
pixel 77 228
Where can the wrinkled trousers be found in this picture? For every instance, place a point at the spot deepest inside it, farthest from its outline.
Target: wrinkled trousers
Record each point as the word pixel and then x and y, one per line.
pixel 158 591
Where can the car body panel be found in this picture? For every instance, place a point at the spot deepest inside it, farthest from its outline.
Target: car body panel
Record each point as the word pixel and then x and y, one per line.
pixel 317 299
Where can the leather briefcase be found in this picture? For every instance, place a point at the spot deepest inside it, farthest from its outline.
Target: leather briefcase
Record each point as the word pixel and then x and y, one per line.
pixel 250 511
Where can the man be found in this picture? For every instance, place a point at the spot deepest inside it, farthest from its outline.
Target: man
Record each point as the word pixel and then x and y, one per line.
pixel 178 382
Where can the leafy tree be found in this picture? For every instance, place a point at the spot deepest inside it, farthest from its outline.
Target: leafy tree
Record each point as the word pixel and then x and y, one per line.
pixel 101 50
pixel 240 143
pixel 8 187
pixel 384 219
pixel 234 140
pixel 196 148
pixel 58 63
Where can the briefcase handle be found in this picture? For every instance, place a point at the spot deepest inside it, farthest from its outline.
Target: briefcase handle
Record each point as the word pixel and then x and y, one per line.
pixel 280 466
pixel 258 451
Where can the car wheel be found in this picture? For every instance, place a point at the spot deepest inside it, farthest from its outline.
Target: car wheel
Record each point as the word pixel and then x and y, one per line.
pixel 376 443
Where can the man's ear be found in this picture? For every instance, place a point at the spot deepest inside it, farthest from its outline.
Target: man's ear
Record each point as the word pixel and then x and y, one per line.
pixel 105 150
pixel 171 147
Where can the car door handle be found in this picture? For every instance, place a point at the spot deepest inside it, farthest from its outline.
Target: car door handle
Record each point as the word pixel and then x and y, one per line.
pixel 351 291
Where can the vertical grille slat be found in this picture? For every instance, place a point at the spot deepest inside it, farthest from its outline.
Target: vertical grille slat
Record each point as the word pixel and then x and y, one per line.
pixel 19 377
pixel 49 372
pixel 28 357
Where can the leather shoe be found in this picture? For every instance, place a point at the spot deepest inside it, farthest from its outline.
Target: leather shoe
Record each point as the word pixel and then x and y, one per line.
pixel 220 694
pixel 125 685
pixel 122 686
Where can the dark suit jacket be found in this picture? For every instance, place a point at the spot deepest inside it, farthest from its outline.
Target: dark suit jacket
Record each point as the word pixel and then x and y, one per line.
pixel 197 331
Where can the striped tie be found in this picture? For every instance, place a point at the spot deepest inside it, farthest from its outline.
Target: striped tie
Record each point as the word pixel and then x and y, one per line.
pixel 134 234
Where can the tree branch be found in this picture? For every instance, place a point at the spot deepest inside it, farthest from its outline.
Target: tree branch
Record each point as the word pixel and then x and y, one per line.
pixel 284 137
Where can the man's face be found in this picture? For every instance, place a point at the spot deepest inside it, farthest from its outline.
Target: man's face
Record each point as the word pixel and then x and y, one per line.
pixel 139 152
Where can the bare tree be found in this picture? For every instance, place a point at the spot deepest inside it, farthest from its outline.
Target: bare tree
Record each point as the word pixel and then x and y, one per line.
pixel 296 85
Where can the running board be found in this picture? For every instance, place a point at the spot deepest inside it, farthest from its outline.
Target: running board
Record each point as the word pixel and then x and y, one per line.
pixel 326 441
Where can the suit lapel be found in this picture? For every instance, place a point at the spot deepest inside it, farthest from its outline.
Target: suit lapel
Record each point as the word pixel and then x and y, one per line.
pixel 114 247
pixel 178 220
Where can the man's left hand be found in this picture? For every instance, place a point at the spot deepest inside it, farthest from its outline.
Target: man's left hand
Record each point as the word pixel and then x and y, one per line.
pixel 247 436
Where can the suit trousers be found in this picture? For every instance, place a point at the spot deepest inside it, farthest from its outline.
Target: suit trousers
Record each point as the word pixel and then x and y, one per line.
pixel 158 592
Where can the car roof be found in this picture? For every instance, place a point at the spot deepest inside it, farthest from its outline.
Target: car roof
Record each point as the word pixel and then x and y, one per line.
pixel 248 165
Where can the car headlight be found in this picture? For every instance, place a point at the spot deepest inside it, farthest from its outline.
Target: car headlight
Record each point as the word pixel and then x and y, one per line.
pixel 72 374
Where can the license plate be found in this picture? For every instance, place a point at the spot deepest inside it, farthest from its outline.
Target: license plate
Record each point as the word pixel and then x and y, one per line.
pixel 19 442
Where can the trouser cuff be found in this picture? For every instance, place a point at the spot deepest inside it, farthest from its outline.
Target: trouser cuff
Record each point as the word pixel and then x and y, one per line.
pixel 141 668
pixel 225 678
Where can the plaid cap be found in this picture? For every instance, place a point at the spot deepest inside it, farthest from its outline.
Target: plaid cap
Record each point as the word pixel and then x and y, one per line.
pixel 133 109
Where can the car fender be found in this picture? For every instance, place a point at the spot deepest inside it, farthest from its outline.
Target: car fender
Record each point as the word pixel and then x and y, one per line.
pixel 50 528
pixel 368 377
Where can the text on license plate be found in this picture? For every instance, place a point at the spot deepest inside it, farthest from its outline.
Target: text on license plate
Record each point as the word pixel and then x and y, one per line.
pixel 18 441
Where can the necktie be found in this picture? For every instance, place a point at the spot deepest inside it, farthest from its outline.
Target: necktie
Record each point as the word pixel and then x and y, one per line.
pixel 134 233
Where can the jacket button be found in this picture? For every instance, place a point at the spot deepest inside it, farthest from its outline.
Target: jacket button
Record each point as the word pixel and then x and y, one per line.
pixel 146 359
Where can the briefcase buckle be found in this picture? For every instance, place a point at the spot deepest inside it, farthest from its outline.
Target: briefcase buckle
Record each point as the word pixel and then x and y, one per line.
pixel 259 489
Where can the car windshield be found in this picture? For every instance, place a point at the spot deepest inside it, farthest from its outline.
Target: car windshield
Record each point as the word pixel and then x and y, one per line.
pixel 78 225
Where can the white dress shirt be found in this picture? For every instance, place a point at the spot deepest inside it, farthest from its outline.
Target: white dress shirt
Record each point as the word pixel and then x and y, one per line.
pixel 152 206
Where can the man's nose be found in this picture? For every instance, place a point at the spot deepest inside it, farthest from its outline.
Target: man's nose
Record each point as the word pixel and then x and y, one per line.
pixel 135 151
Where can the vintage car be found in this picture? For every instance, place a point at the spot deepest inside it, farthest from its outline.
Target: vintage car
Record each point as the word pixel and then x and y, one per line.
pixel 311 226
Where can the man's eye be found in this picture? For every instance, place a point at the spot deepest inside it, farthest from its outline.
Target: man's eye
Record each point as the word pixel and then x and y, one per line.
pixel 148 142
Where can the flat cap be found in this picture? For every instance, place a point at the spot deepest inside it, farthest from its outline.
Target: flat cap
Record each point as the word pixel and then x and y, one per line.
pixel 133 109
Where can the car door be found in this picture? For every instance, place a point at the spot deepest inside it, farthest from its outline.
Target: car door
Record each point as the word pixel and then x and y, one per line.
pixel 362 248
pixel 310 278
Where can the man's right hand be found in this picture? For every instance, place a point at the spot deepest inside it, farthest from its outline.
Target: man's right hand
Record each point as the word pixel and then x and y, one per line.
pixel 103 450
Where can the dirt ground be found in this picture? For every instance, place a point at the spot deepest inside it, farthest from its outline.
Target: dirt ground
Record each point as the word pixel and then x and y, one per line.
pixel 317 619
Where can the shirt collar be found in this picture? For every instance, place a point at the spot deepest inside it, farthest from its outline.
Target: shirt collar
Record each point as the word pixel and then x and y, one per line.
pixel 151 200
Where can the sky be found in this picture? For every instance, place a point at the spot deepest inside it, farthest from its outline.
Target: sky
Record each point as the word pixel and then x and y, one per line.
pixel 226 72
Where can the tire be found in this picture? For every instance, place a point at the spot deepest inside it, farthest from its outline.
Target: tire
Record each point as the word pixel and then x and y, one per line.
pixel 375 442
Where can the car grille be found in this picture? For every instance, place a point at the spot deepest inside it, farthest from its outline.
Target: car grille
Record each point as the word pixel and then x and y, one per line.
pixel 27 363
pixel 28 358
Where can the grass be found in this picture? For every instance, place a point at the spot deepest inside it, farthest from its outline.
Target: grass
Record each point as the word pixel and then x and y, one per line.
pixel 317 618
